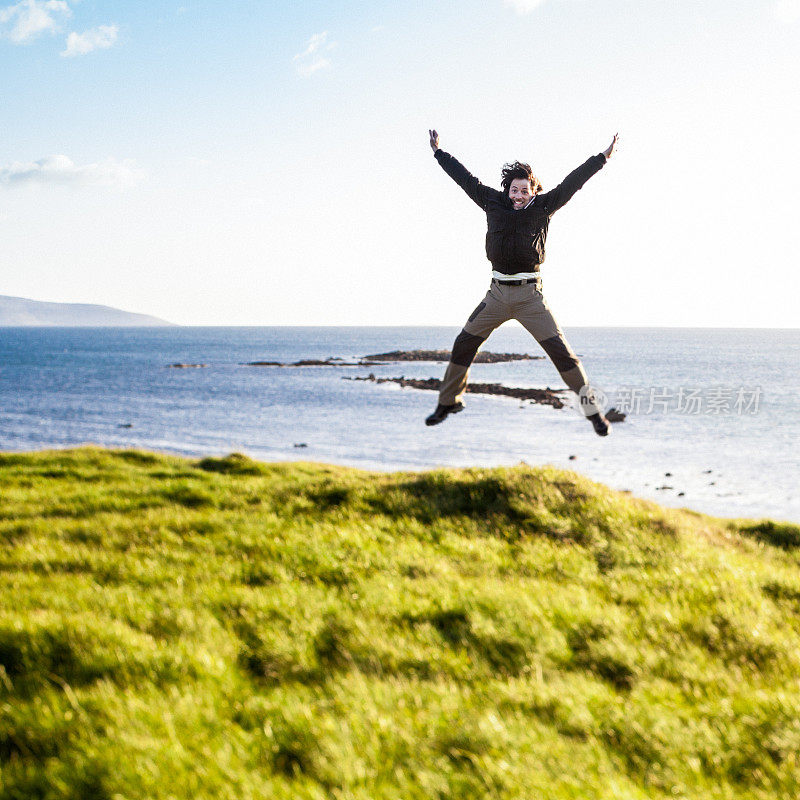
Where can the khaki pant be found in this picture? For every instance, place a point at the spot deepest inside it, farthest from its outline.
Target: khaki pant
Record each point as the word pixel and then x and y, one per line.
pixel 502 303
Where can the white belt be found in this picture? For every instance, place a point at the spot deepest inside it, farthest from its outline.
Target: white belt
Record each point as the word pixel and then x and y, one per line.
pixel 517 276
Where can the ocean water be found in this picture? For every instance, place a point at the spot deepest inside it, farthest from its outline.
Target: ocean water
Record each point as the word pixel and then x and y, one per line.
pixel 714 408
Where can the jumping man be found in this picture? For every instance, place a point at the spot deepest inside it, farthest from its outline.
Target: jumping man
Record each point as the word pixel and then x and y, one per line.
pixel 517 219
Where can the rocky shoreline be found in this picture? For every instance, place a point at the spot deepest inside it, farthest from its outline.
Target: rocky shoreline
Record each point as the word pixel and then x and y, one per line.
pixel 548 397
pixel 444 355
pixel 306 362
pixel 393 356
pixel 545 397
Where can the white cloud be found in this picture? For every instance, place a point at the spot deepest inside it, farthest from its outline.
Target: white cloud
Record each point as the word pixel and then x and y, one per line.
pixel 523 6
pixel 314 44
pixel 787 10
pixel 310 67
pixel 27 19
pixel 60 170
pixel 100 38
pixel 312 60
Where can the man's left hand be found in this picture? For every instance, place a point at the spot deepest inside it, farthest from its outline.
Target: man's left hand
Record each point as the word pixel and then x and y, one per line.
pixel 610 149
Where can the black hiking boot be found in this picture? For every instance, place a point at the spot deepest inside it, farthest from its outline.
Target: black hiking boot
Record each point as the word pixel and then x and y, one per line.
pixel 440 415
pixel 600 424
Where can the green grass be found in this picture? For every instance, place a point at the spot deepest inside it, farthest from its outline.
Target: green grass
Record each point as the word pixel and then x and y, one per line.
pixel 228 629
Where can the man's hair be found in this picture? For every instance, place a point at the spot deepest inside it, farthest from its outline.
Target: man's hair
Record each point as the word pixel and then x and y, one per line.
pixel 519 170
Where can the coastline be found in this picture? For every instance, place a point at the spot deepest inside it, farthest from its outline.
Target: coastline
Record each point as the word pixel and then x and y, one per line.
pixel 64 387
pixel 669 499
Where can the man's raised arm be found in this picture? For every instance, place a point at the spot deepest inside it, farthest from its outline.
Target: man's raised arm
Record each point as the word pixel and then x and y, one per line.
pixel 563 193
pixel 475 190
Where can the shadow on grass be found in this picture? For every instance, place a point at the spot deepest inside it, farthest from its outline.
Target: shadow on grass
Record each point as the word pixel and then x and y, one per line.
pixel 779 534
pixel 503 655
pixel 32 657
pixel 593 649
pixel 432 496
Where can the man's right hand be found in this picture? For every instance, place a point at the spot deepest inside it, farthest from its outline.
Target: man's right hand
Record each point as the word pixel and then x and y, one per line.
pixel 434 140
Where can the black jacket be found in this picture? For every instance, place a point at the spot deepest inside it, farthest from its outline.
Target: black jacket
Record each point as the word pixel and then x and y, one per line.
pixel 515 239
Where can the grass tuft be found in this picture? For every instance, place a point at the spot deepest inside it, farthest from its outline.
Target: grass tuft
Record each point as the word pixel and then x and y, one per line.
pixel 233 464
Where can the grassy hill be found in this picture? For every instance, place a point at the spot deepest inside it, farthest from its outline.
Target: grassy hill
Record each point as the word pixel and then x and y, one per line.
pixel 228 629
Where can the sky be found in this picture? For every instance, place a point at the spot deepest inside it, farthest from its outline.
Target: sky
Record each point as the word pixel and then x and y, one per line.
pixel 267 163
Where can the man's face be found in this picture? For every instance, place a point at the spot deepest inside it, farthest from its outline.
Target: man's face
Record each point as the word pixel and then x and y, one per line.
pixel 520 192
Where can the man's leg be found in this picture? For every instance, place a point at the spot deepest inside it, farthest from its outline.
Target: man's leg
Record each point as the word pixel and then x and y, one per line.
pixel 535 315
pixel 490 313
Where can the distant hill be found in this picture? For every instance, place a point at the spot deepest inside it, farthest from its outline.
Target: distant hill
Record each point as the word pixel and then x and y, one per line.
pixel 21 311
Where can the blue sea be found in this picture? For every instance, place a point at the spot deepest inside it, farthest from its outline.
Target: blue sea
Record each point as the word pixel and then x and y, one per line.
pixel 712 414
